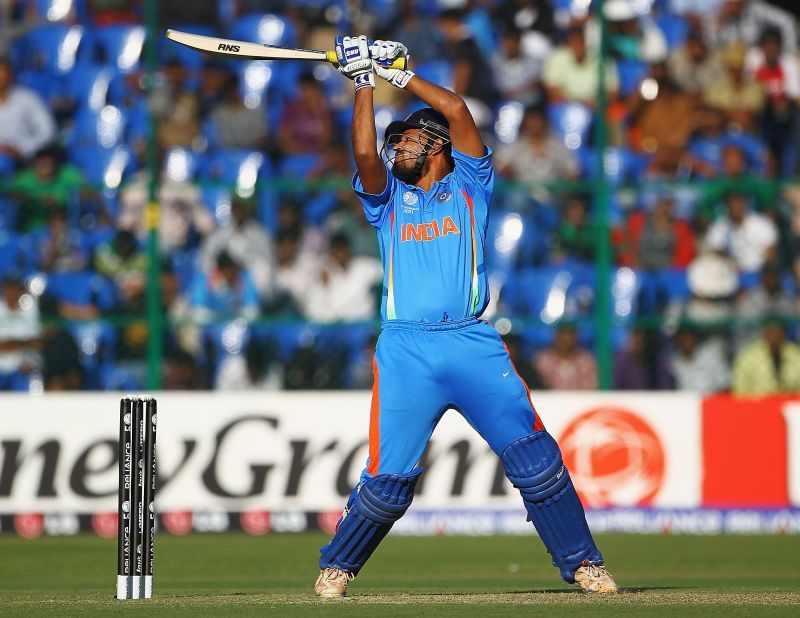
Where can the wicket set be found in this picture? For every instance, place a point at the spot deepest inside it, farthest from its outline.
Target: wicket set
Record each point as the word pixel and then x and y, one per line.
pixel 136 502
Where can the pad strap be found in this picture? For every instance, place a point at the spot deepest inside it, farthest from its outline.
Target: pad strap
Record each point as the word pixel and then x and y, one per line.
pixel 370 514
pixel 534 465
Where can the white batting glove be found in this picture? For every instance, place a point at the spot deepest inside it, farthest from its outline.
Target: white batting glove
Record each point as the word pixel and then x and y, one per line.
pixel 383 53
pixel 355 63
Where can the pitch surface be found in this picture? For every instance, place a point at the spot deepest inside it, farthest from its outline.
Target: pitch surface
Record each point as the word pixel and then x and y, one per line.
pixel 220 575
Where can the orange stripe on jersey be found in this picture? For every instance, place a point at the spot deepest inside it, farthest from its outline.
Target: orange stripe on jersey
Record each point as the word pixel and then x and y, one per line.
pixel 538 425
pixel 375 423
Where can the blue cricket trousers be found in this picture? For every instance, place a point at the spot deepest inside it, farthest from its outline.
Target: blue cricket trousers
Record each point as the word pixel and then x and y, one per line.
pixel 421 370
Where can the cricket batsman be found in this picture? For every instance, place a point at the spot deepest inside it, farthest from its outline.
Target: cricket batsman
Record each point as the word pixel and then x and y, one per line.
pixel 430 211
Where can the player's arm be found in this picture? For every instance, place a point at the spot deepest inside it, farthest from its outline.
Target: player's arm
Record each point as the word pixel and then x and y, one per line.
pixel 371 169
pixel 355 63
pixel 464 135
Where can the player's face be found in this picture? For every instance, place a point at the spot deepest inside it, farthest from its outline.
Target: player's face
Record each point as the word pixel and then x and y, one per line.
pixel 406 152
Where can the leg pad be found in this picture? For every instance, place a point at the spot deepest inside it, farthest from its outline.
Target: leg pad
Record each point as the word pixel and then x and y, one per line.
pixel 534 465
pixel 370 514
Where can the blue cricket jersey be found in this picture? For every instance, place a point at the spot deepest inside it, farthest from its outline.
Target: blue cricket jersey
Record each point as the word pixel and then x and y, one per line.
pixel 432 242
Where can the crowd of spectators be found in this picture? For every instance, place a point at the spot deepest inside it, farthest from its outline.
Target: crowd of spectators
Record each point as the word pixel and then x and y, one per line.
pixel 269 277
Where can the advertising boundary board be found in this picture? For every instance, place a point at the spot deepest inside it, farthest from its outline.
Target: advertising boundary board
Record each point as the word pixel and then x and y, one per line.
pixel 285 462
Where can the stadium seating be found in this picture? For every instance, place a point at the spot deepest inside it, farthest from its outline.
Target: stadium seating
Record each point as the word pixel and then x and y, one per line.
pixel 119 46
pixel 674 27
pixel 89 75
pixel 93 130
pixel 87 86
pixel 106 167
pixel 52 48
pixel 182 164
pixel 9 212
pixel 96 341
pixel 53 10
pixel 43 84
pixel 266 29
pixel 631 73
pixel 16 253
pixel 81 288
pixel 572 121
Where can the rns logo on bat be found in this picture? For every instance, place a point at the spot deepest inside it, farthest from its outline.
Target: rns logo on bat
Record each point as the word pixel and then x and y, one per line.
pixel 228 48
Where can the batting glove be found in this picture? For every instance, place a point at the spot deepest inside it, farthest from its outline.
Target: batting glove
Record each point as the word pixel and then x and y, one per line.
pixel 383 53
pixel 355 63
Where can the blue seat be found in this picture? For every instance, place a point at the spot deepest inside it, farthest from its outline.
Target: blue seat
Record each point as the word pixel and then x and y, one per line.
pixel 572 122
pixel 241 168
pixel 672 285
pixel 508 121
pixel 52 48
pixel 9 214
pixel 439 72
pixel 226 9
pixel 749 279
pixel 96 129
pixel 620 165
pixel 268 203
pixel 52 10
pixel 346 342
pixel 92 239
pixel 626 289
pixel 267 29
pixel 7 165
pixel 96 342
pixel 137 117
pixel 81 288
pixel 44 84
pixel 675 29
pixel 181 164
pixel 298 165
pixel 16 252
pixel 122 377
pixel 87 86
pixel 255 79
pixel 288 337
pixel 185 265
pixel 504 236
pixel 218 201
pixel 553 293
pixel 118 46
pixel 106 166
pixel 224 340
pixel 630 73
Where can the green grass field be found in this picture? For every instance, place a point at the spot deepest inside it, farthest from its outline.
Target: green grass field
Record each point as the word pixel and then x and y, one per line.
pixel 441 576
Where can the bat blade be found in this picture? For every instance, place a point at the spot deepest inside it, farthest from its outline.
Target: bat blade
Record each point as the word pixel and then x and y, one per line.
pixel 242 49
pixel 231 48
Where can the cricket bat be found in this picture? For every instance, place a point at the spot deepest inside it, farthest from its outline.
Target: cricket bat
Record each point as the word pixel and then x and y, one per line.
pixel 257 51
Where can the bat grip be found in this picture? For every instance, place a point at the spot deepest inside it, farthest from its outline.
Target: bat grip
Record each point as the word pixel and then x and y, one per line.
pixel 399 63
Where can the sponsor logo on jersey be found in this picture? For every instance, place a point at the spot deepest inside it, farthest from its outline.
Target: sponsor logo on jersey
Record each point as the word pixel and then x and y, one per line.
pixel 227 47
pixel 410 198
pixel 444 196
pixel 428 231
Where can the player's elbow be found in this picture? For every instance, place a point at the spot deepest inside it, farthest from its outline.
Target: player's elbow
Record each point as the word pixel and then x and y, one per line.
pixel 456 109
pixel 365 155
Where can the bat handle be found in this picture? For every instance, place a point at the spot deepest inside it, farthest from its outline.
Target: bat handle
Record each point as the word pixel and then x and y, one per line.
pixel 399 63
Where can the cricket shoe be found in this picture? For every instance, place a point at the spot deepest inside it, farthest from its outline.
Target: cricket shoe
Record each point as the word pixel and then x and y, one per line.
pixel 332 583
pixel 594 578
